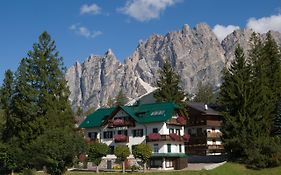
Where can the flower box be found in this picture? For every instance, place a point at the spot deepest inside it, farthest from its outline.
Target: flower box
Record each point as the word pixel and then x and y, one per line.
pixel 118 122
pixel 120 138
pixel 154 136
pixel 181 120
pixel 186 137
pixel 174 136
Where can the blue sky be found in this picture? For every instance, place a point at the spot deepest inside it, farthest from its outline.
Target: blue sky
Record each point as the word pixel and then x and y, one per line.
pixel 85 27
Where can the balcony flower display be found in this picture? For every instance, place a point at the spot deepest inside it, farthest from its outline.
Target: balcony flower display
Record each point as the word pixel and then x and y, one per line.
pixel 174 136
pixel 154 136
pixel 181 120
pixel 118 122
pixel 186 137
pixel 120 138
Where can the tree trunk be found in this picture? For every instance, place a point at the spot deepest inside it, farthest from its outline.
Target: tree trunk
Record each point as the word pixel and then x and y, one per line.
pixel 144 167
pixel 97 169
pixel 12 173
pixel 123 166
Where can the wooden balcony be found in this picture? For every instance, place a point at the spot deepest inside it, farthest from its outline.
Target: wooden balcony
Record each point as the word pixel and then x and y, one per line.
pixel 202 149
pixel 215 123
pixel 111 124
pixel 214 135
pixel 173 121
pixel 164 138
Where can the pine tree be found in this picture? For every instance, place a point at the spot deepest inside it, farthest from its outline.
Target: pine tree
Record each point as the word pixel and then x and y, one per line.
pixel 204 94
pixel 6 93
pixel 235 95
pixel 120 99
pixel 40 99
pixel 169 89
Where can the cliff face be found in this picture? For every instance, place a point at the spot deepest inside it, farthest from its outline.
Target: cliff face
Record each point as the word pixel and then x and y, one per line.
pixel 196 54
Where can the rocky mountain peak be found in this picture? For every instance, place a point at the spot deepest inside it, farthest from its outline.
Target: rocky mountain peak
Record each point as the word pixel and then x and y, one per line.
pixel 196 54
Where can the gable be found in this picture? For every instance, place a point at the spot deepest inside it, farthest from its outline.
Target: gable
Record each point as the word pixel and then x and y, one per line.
pixel 142 114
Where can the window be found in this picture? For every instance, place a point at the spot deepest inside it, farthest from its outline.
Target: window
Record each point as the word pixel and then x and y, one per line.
pixel 137 132
pixel 124 132
pixel 155 148
pixel 92 135
pixel 169 148
pixel 154 113
pixel 178 132
pixel 155 130
pixel 171 130
pixel 107 135
pixel 180 148
pixel 111 150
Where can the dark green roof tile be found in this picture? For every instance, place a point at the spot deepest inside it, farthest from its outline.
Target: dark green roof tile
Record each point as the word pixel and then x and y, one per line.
pixel 144 113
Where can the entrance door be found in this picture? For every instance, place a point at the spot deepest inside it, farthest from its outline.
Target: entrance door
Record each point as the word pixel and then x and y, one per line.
pixel 109 164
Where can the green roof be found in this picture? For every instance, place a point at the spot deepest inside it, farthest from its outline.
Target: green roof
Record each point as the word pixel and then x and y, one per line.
pixel 143 113
pixel 96 119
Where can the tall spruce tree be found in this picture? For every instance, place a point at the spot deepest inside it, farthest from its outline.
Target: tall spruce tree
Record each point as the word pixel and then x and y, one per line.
pixel 235 95
pixel 6 93
pixel 204 94
pixel 40 101
pixel 169 89
pixel 120 99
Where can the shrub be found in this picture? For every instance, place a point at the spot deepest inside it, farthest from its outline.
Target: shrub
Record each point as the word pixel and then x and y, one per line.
pixel 135 168
pixel 28 172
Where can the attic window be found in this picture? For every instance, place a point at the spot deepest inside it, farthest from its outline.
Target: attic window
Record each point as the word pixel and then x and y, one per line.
pixel 140 114
pixel 154 113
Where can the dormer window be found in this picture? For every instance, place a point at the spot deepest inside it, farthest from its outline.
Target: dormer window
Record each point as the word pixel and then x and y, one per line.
pixel 155 113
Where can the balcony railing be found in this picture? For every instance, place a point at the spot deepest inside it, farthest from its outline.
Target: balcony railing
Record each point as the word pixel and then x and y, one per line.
pixel 180 121
pixel 120 123
pixel 214 134
pixel 164 137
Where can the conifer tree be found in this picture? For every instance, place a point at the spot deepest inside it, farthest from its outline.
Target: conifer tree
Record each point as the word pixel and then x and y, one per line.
pixel 40 101
pixel 234 98
pixel 204 94
pixel 120 99
pixel 6 93
pixel 169 89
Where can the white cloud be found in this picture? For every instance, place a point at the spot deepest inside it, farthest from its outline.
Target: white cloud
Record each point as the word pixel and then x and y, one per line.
pixel 84 31
pixel 222 31
pixel 90 9
pixel 263 25
pixel 145 10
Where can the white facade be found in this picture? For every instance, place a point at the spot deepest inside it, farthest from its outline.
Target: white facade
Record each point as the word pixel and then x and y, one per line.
pixel 166 146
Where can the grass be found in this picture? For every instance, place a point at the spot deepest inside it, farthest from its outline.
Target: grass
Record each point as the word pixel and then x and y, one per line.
pixel 226 169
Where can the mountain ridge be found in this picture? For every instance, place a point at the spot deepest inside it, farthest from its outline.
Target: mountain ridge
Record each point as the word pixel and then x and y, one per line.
pixel 195 53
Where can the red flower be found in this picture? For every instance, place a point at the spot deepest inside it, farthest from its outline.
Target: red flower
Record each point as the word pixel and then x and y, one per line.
pixel 174 136
pixel 186 137
pixel 181 120
pixel 118 122
pixel 154 136
pixel 120 137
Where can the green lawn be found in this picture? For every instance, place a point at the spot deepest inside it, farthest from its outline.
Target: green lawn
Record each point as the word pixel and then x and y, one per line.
pixel 226 169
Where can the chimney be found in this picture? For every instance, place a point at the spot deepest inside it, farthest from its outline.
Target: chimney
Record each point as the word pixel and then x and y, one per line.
pixel 206 107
